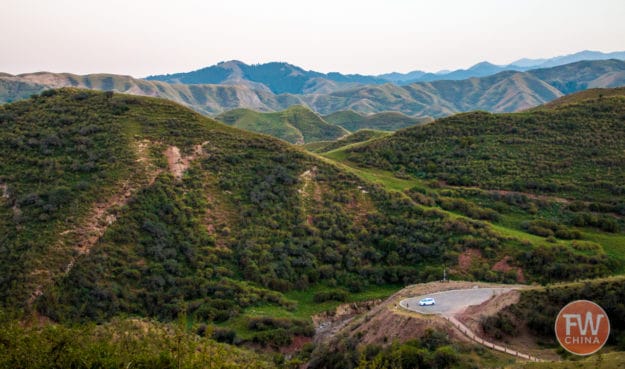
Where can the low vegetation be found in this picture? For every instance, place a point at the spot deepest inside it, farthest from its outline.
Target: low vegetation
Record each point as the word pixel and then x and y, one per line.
pixel 354 138
pixel 123 343
pixel 297 124
pixel 385 121
pixel 539 308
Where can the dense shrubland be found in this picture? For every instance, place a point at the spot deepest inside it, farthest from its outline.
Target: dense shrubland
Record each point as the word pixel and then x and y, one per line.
pixel 127 343
pixel 539 307
pixel 433 350
pixel 573 151
pixel 243 224
pixel 253 219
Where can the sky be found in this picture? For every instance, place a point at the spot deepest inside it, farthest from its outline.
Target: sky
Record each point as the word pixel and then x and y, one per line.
pixel 146 37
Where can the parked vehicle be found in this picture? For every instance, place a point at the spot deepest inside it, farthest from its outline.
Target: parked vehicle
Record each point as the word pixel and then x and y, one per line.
pixel 427 301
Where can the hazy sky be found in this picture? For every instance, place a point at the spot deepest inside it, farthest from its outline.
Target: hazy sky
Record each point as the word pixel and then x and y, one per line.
pixel 142 37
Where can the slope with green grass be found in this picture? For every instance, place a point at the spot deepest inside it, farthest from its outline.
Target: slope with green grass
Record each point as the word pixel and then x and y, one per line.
pixel 590 94
pixel 385 121
pixel 360 136
pixel 297 124
pixel 540 307
pixel 114 205
pixel 550 177
pixel 572 152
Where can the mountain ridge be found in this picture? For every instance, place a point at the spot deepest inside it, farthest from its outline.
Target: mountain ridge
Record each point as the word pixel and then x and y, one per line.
pixel 506 91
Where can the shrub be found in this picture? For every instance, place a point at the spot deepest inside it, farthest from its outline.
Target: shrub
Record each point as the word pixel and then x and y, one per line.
pixel 335 295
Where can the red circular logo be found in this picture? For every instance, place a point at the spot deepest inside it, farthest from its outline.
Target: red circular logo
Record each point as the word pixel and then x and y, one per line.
pixel 582 327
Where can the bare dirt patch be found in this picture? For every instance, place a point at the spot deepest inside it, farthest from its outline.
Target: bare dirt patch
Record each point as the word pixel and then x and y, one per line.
pixel 309 187
pixel 310 192
pixel 466 258
pixel 4 189
pixel 360 205
pixel 503 266
pixel 179 164
pixel 296 345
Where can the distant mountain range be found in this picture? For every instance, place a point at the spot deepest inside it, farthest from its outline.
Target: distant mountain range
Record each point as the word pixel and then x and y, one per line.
pixel 275 77
pixel 286 78
pixel 485 68
pixel 505 91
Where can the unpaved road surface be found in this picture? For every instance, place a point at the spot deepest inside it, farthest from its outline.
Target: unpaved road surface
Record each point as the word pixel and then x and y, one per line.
pixel 449 303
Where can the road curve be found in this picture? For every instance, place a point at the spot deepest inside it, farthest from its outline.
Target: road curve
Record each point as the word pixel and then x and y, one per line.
pixel 449 303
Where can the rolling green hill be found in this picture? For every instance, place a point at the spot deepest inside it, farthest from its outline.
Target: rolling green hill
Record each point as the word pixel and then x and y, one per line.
pixel 593 93
pixel 385 121
pixel 297 124
pixel 360 136
pixel 551 175
pixel 115 205
pixel 570 151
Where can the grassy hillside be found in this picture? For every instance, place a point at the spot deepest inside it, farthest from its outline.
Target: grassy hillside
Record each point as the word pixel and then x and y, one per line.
pixel 114 204
pixel 539 307
pixel 353 138
pixel 571 151
pixel 121 343
pixel 297 124
pixel 386 121
pixel 590 94
pixel 550 177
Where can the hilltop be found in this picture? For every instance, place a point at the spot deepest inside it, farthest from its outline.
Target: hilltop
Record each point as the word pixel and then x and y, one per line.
pixel 297 124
